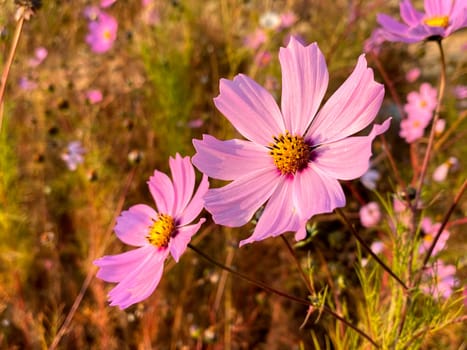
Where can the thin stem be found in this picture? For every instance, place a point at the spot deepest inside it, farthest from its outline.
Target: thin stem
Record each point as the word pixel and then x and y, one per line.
pixel 299 266
pixel 363 243
pixel 272 290
pixel 444 223
pixel 66 324
pixel 441 88
pixel 6 69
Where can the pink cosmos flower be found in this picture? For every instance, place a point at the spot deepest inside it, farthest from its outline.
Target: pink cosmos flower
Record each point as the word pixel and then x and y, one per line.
pixel 156 233
pixel 422 103
pixel 102 33
pixel 412 128
pixel 460 91
pixel 430 231
pixel 440 19
pixel 440 126
pixel 94 96
pixel 27 84
pixel 107 3
pixel 374 42
pixel 39 56
pixel 255 39
pixel 413 74
pixel 91 12
pixel 73 155
pixel 292 159
pixel 263 58
pixel 441 172
pixel 442 280
pixel 370 214
pixel 287 19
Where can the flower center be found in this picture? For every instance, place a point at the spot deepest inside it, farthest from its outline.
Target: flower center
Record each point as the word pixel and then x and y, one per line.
pixel 107 34
pixel 437 21
pixel 161 230
pixel 290 153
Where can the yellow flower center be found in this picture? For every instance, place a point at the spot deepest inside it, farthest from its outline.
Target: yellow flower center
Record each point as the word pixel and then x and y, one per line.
pixel 423 103
pixel 437 21
pixel 161 231
pixel 107 34
pixel 290 153
pixel 416 123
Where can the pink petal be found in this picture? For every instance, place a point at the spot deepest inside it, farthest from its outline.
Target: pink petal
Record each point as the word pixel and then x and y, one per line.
pixel 183 176
pixel 179 243
pixel 409 14
pixel 193 209
pixel 350 109
pixel 315 192
pixel 349 158
pixel 229 160
pixel 279 215
pixel 250 108
pixel 141 282
pixel 304 83
pixel 162 190
pixel 133 224
pixel 114 268
pixel 437 7
pixel 234 205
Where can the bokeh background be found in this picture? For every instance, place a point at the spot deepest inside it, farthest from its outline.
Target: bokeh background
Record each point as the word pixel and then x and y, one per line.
pixel 157 82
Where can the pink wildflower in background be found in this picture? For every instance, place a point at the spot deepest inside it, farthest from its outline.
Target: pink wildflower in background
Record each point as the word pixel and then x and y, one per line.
pixel 374 42
pixel 421 103
pixel 255 39
pixel 370 214
pixel 94 96
pixel 413 128
pixel 40 55
pixel 440 126
pixel 27 84
pixel 91 13
pixel 430 230
pixel 107 3
pixel 73 156
pixel 413 75
pixel 440 19
pixel 441 172
pixel 287 19
pixel 102 33
pixel 292 159
pixel 440 280
pixel 156 233
pixel 263 58
pixel 460 91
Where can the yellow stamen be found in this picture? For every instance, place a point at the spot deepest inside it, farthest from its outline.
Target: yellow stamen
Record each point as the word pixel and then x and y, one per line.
pixel 161 231
pixel 437 21
pixel 290 153
pixel 107 35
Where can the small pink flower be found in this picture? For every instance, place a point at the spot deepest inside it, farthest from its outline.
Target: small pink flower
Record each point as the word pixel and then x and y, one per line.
pixel 94 96
pixel 256 39
pixel 441 172
pixel 440 280
pixel 156 233
pixel 293 156
pixel 91 12
pixel 440 19
pixel 26 84
pixel 440 126
pixel 413 75
pixel 287 19
pixel 423 103
pixel 370 214
pixel 412 128
pixel 263 58
pixel 377 247
pixel 107 3
pixel 39 56
pixel 430 230
pixel 460 91
pixel 73 155
pixel 102 33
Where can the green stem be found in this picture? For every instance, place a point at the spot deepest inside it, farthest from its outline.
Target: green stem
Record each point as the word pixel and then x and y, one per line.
pixel 441 89
pixel 363 243
pixel 269 289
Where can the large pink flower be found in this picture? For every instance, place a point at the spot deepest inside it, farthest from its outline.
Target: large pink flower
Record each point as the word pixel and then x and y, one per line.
pixel 293 158
pixel 440 19
pixel 155 233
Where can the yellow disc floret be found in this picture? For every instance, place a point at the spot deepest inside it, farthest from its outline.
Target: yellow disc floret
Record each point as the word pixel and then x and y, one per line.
pixel 161 231
pixel 290 153
pixel 437 21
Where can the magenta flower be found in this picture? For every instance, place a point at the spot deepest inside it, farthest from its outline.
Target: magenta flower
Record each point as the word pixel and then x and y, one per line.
pixel 430 231
pixel 40 55
pixel 94 96
pixel 422 103
pixel 107 3
pixel 155 233
pixel 102 33
pixel 413 128
pixel 370 214
pixel 440 19
pixel 291 159
pixel 413 74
